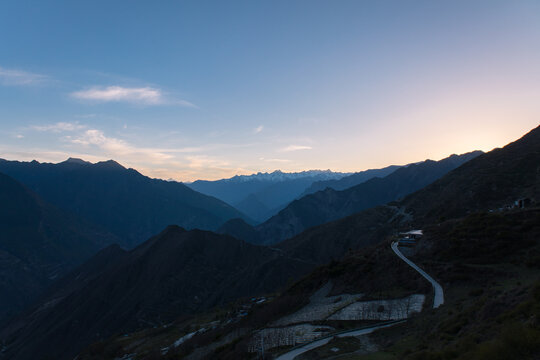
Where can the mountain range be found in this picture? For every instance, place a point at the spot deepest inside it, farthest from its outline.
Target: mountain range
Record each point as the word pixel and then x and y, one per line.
pixel 126 203
pixel 180 272
pixel 328 205
pixel 482 248
pixel 262 195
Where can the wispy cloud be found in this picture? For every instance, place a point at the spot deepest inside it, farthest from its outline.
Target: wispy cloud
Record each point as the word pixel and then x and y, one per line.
pixel 116 147
pixel 136 95
pixel 59 127
pixel 295 148
pixel 12 77
pixel 258 129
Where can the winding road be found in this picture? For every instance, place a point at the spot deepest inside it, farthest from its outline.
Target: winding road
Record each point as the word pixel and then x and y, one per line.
pixel 315 344
pixel 438 299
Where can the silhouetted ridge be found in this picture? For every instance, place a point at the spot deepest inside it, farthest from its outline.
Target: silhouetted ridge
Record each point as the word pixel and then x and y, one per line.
pixel 123 201
pixel 488 182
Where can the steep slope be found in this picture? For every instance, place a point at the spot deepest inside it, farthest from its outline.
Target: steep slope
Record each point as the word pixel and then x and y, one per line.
pixel 128 204
pixel 175 273
pixel 38 244
pixel 351 180
pixel 489 182
pixel 329 205
pixel 261 195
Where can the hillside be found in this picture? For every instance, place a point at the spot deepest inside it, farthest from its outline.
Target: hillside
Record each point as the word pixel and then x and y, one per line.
pixel 126 203
pixel 38 244
pixel 328 205
pixel 175 273
pixel 489 182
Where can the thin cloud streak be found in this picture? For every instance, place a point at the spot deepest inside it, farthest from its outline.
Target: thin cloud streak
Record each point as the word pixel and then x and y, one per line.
pixel 59 127
pixel 12 77
pixel 120 148
pixel 295 148
pixel 136 95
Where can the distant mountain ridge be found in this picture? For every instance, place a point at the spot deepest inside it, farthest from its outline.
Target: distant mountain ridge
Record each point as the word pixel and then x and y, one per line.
pixel 279 175
pixel 123 201
pixel 329 205
pixel 350 180
pixel 262 195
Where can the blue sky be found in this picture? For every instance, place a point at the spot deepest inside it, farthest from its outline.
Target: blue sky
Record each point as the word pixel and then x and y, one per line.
pixel 209 89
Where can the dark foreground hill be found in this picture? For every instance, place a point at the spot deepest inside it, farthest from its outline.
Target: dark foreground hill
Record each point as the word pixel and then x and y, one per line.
pixel 175 273
pixel 488 265
pixel 329 205
pixel 128 204
pixel 38 244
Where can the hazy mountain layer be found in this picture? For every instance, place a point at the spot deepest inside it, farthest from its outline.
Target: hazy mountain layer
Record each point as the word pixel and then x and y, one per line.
pixel 262 195
pixel 329 205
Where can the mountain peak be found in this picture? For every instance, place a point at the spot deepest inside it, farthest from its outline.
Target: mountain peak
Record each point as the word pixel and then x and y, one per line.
pixel 73 160
pixel 109 164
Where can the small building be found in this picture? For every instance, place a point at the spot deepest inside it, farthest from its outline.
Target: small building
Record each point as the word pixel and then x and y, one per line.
pixel 409 238
pixel 522 203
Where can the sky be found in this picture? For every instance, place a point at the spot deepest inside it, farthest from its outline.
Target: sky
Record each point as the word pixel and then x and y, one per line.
pixel 202 89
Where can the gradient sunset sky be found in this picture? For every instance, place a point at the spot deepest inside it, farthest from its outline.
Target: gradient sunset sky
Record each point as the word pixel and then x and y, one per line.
pixel 209 89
